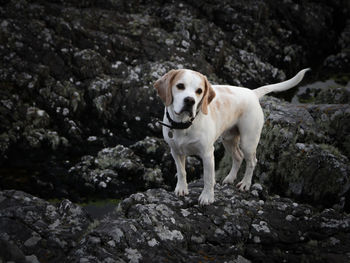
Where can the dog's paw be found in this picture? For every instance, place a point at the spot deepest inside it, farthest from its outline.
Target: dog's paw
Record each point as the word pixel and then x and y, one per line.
pixel 228 180
pixel 244 185
pixel 181 189
pixel 206 197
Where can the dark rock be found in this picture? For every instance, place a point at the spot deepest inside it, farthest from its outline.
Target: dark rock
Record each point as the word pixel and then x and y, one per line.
pixel 157 226
pixel 33 230
pixel 323 92
pixel 334 95
pixel 89 64
pixel 114 172
pixel 155 153
pixel 120 171
pixel 337 63
pixel 334 119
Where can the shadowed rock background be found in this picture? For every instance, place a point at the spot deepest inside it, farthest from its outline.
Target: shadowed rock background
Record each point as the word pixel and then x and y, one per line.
pixel 78 120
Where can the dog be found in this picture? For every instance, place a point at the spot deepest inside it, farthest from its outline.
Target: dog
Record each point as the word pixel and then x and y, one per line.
pixel 197 113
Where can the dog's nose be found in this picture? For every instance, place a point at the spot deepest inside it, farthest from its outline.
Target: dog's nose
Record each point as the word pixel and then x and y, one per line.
pixel 189 101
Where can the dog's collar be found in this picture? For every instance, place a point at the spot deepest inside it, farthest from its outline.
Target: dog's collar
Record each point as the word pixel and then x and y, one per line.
pixel 180 125
pixel 174 125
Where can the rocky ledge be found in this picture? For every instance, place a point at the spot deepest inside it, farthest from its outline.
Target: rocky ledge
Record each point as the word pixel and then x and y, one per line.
pixel 157 226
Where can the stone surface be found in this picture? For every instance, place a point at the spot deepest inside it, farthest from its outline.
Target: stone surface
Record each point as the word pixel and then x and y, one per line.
pixel 340 62
pixel 120 171
pixel 330 91
pixel 34 230
pixel 157 226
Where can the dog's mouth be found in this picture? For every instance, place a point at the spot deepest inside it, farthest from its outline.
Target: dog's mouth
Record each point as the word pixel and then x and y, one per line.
pixel 189 113
pixel 186 110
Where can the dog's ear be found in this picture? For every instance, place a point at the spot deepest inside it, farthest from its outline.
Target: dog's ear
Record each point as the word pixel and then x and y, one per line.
pixel 163 87
pixel 209 95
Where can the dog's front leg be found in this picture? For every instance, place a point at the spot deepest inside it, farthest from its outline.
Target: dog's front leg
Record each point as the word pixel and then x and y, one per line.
pixel 207 195
pixel 181 186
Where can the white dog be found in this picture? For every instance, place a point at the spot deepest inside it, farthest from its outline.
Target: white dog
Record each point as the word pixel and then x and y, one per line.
pixel 197 113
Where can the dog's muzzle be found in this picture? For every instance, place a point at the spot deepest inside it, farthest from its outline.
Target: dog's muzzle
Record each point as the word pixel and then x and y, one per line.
pixel 188 106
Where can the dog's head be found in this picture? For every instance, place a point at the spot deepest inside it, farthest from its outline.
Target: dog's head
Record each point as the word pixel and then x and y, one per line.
pixel 185 90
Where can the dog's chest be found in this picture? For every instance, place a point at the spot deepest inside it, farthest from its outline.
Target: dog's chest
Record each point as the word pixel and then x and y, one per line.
pixel 183 143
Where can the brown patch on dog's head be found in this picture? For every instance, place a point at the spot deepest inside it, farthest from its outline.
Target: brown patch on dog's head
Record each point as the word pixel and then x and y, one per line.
pixel 209 95
pixel 165 84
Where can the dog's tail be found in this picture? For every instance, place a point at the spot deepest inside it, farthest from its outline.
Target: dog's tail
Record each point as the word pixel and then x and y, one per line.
pixel 282 86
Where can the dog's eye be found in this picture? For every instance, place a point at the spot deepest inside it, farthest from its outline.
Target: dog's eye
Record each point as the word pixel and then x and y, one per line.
pixel 199 91
pixel 180 86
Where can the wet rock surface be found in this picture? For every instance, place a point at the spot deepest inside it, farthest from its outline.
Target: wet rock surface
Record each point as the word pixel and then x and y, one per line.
pixel 157 226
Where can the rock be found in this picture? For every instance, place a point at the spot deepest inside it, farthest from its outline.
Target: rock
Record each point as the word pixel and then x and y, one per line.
pixel 334 95
pixel 333 119
pixel 89 63
pixel 114 172
pixel 119 166
pixel 328 104
pixel 155 153
pixel 105 93
pixel 33 230
pixel 323 92
pixel 157 226
pixel 336 63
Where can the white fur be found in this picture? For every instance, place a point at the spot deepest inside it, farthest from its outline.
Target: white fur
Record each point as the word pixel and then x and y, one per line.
pixel 234 114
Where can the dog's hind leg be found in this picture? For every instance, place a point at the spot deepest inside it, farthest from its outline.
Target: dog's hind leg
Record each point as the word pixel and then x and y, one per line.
pixel 231 141
pixel 251 161
pixel 181 186
pixel 250 136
